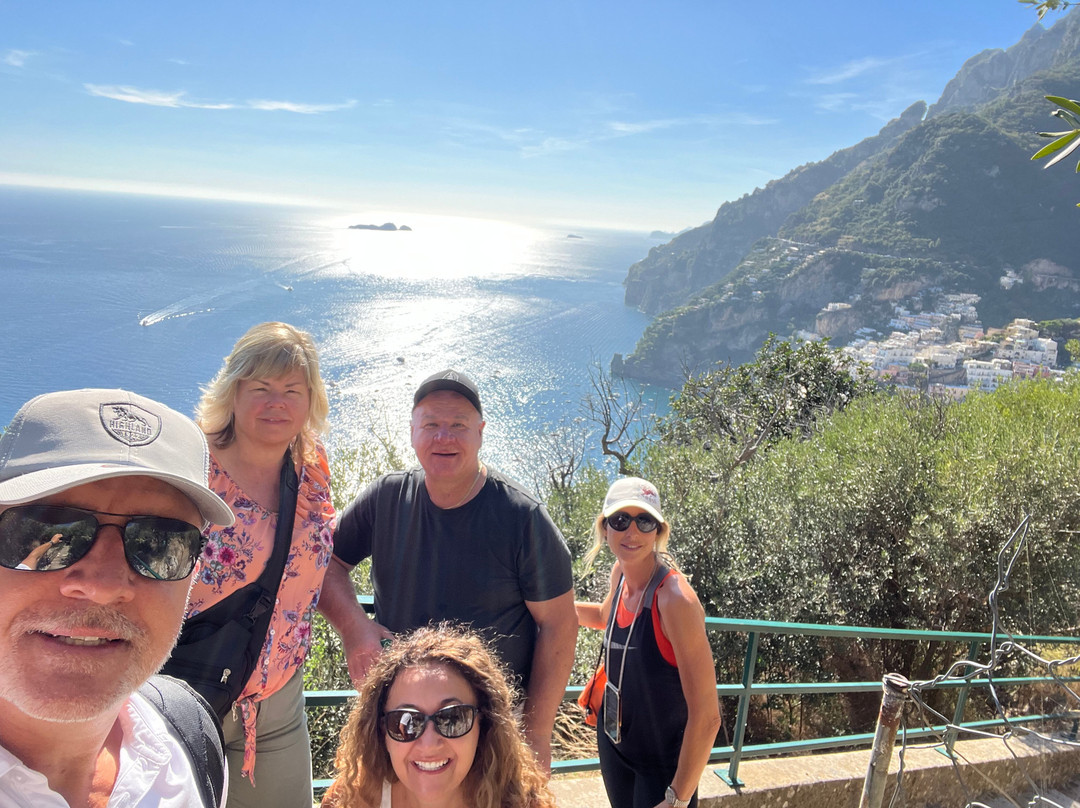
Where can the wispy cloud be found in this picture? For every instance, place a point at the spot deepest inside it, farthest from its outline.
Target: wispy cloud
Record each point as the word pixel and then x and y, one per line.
pixel 153 98
pixel 612 130
pixel 178 99
pixel 303 109
pixel 832 102
pixel 641 127
pixel 553 145
pixel 181 62
pixel 17 58
pixel 849 71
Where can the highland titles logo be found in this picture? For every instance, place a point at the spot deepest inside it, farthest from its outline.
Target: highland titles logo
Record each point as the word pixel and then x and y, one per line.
pixel 130 424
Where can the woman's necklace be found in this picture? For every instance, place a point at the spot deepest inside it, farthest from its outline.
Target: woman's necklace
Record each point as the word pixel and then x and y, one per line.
pixel 472 485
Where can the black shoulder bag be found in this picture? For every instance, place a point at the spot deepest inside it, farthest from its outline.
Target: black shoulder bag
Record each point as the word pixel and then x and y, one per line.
pixel 219 647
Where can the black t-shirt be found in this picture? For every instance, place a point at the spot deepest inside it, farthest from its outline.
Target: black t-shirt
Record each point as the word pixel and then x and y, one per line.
pixel 476 564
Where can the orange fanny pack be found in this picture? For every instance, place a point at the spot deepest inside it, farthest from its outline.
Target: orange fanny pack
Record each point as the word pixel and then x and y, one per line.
pixel 592 695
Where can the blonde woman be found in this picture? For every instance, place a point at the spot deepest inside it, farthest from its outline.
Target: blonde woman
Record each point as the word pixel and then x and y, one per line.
pixel 435 725
pixel 268 397
pixel 660 713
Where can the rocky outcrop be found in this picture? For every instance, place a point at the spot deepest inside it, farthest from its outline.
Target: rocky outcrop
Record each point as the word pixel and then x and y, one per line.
pixel 984 76
pixel 672 272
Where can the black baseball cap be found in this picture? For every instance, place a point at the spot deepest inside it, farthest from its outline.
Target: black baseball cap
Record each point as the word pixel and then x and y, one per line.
pixel 453 381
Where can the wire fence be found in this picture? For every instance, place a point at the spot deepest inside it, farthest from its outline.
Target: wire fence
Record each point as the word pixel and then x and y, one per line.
pixel 908 709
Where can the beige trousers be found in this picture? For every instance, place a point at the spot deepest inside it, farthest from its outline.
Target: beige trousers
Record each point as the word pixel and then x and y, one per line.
pixel 282 753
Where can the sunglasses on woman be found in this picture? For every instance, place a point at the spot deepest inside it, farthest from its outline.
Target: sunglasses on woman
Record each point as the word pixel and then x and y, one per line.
pixel 406 725
pixel 620 521
pixel 44 538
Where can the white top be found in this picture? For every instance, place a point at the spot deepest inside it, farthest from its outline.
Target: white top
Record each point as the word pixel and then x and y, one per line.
pixel 155 771
pixel 385 794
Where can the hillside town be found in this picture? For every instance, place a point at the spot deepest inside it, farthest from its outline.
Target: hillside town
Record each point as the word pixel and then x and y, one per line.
pixel 950 353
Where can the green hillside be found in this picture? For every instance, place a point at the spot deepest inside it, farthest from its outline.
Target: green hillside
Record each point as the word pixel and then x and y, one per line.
pixel 945 204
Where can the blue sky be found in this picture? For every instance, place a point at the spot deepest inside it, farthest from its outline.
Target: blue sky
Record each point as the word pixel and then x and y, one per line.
pixel 627 114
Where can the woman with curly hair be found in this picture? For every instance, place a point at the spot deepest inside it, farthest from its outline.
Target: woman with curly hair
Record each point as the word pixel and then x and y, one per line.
pixel 435 726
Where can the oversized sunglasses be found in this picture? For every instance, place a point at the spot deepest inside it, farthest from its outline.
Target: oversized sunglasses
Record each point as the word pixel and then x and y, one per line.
pixel 53 537
pixel 406 725
pixel 620 521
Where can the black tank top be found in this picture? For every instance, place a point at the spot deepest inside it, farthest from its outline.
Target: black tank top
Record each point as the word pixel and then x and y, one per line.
pixel 653 707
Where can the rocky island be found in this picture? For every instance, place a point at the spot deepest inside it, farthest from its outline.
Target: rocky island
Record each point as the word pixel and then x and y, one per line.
pixel 387 226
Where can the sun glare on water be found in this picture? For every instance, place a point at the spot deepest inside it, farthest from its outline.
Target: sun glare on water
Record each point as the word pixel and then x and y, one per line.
pixel 435 247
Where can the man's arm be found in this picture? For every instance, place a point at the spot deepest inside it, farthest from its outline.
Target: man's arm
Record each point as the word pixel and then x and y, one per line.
pixel 360 635
pixel 553 659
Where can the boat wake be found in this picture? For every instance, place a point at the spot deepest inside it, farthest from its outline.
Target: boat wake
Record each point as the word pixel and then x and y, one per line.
pixel 200 302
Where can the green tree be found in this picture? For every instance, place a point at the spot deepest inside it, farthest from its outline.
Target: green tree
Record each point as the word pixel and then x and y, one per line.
pixel 789 385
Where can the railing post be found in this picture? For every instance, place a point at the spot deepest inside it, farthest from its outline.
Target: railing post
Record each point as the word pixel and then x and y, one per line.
pixel 732 776
pixel 961 702
pixel 894 694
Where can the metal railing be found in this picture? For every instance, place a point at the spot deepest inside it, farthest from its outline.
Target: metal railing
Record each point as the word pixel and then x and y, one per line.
pixel 748 688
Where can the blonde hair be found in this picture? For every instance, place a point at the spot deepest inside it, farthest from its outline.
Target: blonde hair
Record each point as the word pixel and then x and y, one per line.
pixel 266 351
pixel 663 533
pixel 504 773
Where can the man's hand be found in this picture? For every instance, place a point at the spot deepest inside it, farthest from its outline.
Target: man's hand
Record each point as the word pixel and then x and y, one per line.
pixel 363 646
pixel 360 636
pixel 541 746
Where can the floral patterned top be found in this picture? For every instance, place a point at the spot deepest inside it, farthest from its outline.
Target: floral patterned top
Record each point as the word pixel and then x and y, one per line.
pixel 235 556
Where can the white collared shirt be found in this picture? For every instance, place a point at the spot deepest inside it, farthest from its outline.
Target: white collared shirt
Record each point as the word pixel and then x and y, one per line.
pixel 155 771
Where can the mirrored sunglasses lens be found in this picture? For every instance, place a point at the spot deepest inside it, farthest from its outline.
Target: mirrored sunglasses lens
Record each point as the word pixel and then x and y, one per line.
pixel 454 721
pixel 405 725
pixel 161 548
pixel 44 537
pixel 619 521
pixel 645 523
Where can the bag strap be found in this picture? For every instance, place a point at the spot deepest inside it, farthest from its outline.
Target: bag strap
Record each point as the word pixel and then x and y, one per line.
pixel 270 578
pixel 197 728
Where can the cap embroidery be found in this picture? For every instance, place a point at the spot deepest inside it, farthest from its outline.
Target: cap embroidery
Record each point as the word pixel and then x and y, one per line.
pixel 130 424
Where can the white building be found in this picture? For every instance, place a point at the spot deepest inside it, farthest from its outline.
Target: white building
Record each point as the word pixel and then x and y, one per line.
pixel 987 375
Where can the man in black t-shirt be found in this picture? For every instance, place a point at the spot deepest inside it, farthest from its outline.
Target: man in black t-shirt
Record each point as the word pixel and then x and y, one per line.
pixel 454 540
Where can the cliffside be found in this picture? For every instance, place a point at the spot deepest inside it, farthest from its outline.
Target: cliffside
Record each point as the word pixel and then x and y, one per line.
pixel 948 203
pixel 672 272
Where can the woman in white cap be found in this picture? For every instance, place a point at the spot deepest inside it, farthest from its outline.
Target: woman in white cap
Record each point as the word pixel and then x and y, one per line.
pixel 660 713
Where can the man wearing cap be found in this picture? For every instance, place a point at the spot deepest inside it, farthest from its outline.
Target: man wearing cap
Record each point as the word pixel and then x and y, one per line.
pixel 103 500
pixel 456 540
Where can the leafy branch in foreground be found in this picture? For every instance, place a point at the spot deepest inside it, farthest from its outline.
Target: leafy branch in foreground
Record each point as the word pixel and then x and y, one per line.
pixel 1043 6
pixel 1065 142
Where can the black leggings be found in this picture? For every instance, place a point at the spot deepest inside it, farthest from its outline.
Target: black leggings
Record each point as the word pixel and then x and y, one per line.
pixel 633 787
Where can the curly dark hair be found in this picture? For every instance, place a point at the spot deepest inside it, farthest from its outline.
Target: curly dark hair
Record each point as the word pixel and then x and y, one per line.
pixel 504 773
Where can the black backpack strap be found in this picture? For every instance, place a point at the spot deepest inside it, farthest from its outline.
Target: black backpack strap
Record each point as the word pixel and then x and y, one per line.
pixel 659 574
pixel 270 579
pixel 198 729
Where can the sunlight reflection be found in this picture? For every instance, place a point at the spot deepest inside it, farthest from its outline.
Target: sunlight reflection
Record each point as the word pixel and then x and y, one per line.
pixel 447 247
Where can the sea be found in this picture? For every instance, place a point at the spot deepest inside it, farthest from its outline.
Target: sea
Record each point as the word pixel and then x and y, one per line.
pixel 150 293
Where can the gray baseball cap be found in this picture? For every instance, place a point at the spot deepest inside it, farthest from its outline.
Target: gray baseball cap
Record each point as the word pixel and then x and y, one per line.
pixel 60 440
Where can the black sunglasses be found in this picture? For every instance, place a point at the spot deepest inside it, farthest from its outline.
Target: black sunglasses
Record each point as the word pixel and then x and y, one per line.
pixel 620 521
pixel 406 725
pixel 53 537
